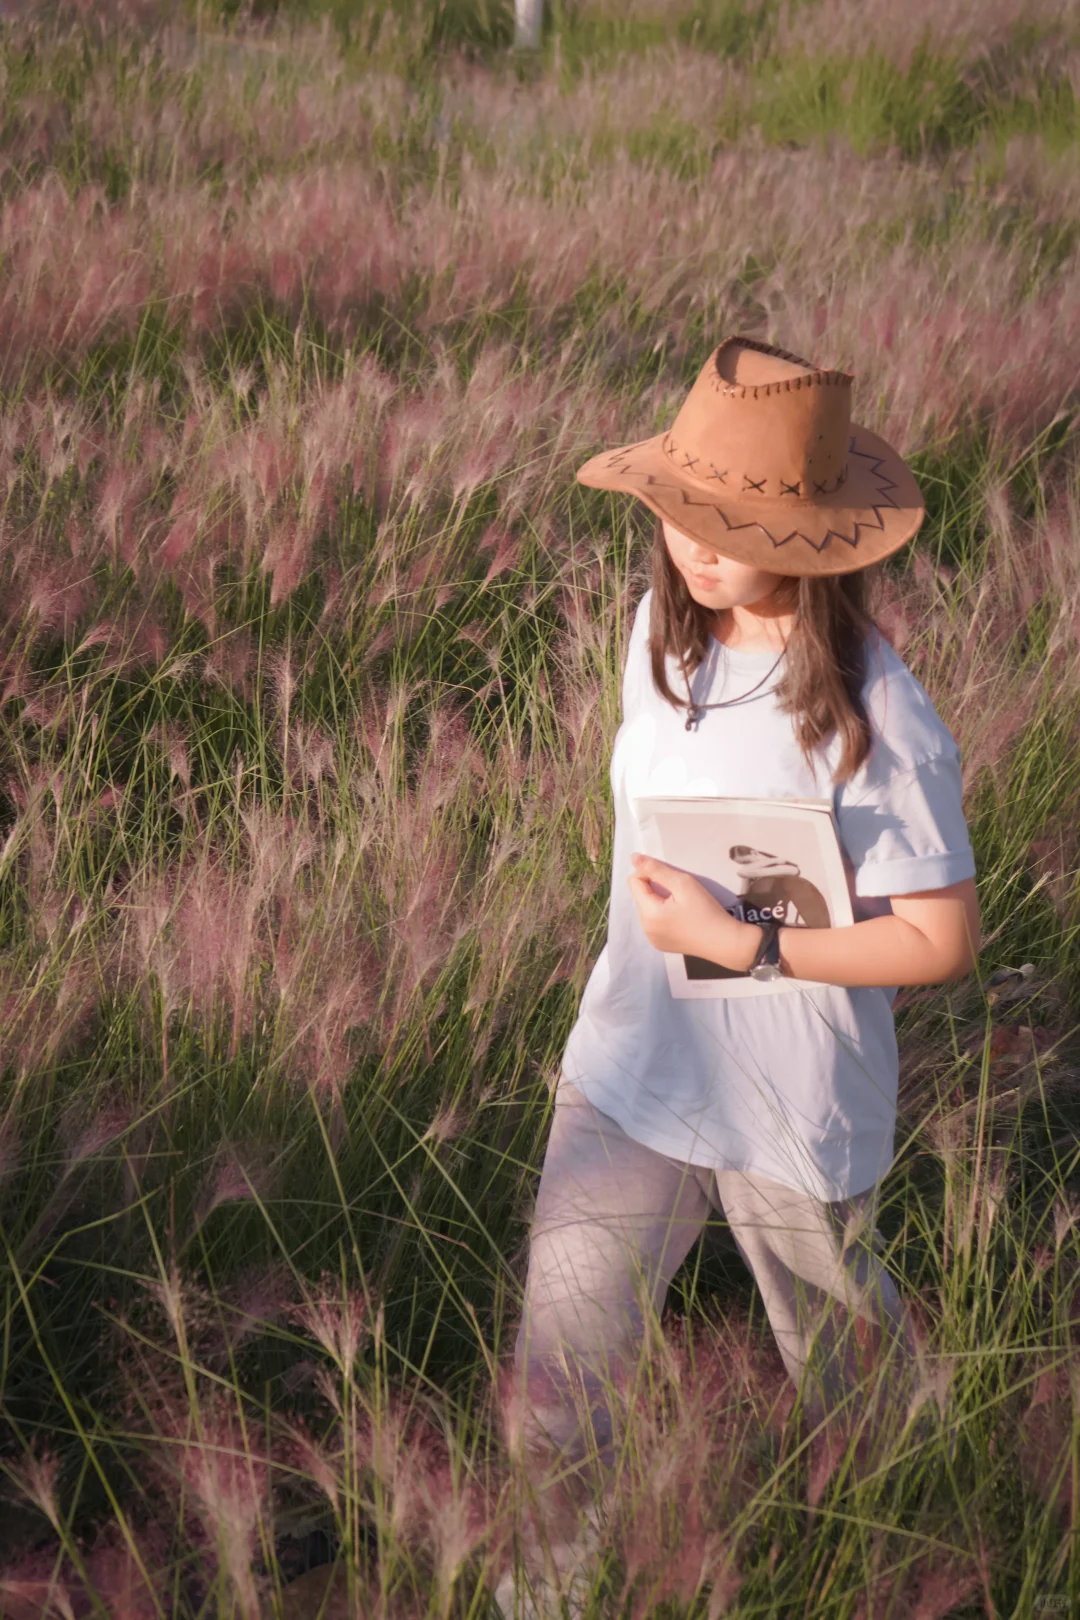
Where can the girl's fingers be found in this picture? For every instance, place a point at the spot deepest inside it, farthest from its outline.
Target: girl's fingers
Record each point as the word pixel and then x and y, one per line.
pixel 649 865
pixel 643 893
pixel 669 879
pixel 664 879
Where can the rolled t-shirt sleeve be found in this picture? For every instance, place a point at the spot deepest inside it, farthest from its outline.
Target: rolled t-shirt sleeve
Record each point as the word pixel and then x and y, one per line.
pixel 906 832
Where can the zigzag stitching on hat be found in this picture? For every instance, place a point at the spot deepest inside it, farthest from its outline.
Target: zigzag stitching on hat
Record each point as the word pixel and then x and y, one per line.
pixel 878 508
pixel 830 534
pixel 796 534
pixel 885 483
pixel 618 460
pixel 622 452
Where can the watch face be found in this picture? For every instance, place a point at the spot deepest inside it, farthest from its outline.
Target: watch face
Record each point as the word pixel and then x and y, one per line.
pixel 766 972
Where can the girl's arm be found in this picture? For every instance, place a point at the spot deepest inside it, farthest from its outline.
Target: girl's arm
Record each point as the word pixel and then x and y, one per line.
pixel 930 937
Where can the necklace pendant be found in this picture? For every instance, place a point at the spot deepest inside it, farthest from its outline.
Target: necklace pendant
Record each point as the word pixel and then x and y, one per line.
pixel 693 716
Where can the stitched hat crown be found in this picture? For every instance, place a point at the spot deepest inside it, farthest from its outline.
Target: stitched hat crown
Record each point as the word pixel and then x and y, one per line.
pixel 763 422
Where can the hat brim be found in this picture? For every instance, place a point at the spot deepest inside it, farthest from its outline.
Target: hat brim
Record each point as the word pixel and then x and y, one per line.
pixel 877 510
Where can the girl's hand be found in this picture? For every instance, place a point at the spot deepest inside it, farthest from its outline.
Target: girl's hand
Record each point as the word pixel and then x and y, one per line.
pixel 680 915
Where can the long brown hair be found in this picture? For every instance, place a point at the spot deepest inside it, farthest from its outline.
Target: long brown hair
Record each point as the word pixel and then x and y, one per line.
pixel 826 652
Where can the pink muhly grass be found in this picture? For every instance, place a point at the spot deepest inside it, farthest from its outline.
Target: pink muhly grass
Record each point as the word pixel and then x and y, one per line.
pixel 258 1299
pixel 216 924
pixel 336 1318
pixel 448 1124
pixel 122 1573
pixel 230 1181
pixel 373 737
pixel 328 978
pixel 56 431
pixel 507 929
pixel 936 1376
pixel 673 1457
pixel 513 1404
pixel 698 1559
pixel 930 1588
pixel 85 1136
pixel 121 501
pixel 959 635
pixel 328 233
pixel 227 1479
pixel 37 1478
pixel 1066 1217
pixel 195 582
pixel 229 660
pixel 452 762
pixel 507 554
pixel 827 1451
pixel 39 1024
pixel 83 1142
pixel 315 1460
pixel 1044 1439
pixel 73 271
pixel 277 481
pixel 179 538
pixel 819 207
pixel 286 555
pixel 176 747
pixel 422 948
pixel 31 1588
pixel 410 437
pixel 313 752
pixel 282 681
pixel 846 28
pixel 940 1586
pixel 172 1295
pixel 303 230
pixel 149 952
pixel 59 593
pixel 459 1520
pixel 675 1467
pixel 132 641
pixel 388 1447
pixel 10 1145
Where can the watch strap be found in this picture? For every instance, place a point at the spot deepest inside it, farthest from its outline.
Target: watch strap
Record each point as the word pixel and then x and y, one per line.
pixel 769 949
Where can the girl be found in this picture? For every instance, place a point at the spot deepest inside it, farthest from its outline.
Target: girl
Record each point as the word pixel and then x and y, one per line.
pixel 755 670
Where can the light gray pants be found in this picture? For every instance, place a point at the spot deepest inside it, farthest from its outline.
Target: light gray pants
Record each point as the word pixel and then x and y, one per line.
pixel 614 1221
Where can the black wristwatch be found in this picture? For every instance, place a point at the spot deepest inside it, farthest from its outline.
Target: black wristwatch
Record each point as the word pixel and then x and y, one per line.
pixel 766 964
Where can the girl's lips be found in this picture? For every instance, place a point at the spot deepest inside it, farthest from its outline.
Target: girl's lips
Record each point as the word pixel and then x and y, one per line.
pixel 702 581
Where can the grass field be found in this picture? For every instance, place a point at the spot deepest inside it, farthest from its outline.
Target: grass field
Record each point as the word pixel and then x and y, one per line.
pixel 309 662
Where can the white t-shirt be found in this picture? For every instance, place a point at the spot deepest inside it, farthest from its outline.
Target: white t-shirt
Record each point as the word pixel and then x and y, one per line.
pixel 801 1087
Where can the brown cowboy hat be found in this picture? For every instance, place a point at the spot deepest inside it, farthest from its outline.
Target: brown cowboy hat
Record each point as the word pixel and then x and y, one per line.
pixel 764 464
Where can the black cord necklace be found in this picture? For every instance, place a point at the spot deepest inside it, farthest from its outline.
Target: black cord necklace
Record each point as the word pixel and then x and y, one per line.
pixel 694 711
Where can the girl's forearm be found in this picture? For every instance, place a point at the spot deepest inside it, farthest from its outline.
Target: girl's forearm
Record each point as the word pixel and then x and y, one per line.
pixel 881 951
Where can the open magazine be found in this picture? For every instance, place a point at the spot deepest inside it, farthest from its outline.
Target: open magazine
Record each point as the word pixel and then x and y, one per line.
pixel 765 860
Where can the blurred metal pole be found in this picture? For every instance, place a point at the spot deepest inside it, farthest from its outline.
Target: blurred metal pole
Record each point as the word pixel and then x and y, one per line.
pixel 528 17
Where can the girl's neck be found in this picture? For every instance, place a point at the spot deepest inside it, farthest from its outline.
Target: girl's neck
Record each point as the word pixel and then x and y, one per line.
pixel 759 628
